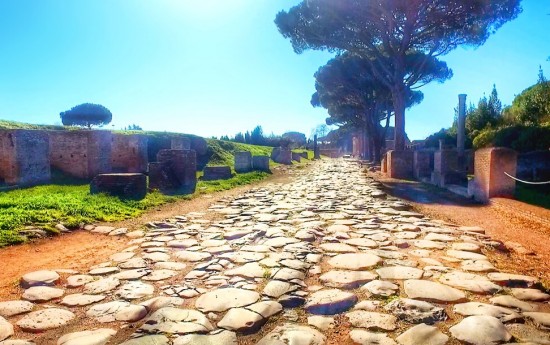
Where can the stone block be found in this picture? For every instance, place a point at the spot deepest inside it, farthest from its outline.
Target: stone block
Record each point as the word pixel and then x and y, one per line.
pixel 260 163
pixel 490 180
pixel 304 155
pixel 421 163
pixel 400 164
pixel 129 153
pixel 180 143
pixel 446 161
pixel 217 173
pixel 296 157
pixel 243 162
pixel 24 157
pixel 281 155
pixel 175 172
pixel 124 185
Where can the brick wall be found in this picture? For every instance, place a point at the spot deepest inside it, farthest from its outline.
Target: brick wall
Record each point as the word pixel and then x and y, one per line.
pixel 129 153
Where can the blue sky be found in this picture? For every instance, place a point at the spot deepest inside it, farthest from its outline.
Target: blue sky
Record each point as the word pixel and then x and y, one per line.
pixel 214 67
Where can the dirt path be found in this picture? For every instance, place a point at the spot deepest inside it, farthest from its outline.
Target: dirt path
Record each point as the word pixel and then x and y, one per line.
pixel 504 219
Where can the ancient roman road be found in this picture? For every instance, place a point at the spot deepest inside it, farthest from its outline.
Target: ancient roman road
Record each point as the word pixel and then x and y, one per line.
pixel 326 259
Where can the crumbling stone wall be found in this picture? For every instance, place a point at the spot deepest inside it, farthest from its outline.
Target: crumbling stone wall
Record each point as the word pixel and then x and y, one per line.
pixel 129 153
pixel 24 158
pixel 490 180
pixel 82 154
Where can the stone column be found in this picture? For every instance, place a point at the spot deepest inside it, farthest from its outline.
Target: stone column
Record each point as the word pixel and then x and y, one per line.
pixel 461 136
pixel 316 154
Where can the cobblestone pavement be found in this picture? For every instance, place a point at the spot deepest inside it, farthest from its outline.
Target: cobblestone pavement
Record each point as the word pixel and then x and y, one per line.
pixel 328 247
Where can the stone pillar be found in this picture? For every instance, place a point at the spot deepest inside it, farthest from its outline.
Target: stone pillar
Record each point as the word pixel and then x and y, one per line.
pixel 461 136
pixel 296 157
pixel 281 155
pixel 400 164
pixel 445 162
pixel 490 180
pixel 421 163
pixel 175 172
pixel 243 162
pixel 260 163
pixel 316 154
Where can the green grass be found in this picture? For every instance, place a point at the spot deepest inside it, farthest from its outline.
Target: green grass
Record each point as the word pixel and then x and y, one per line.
pixel 534 195
pixel 4 124
pixel 45 206
pixel 222 152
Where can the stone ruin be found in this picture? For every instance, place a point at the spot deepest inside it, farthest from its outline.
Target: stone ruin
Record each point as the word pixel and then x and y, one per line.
pixel 296 157
pixel 260 163
pixel 129 153
pixel 490 179
pixel 175 172
pixel 125 185
pixel 243 162
pixel 281 155
pixel 24 157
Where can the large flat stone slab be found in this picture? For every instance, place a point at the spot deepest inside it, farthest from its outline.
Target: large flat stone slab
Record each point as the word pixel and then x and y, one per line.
pixel 39 278
pixel 347 279
pixel 354 262
pixel 289 333
pixel 42 320
pixel 480 330
pixel 330 302
pixel 226 298
pixel 435 292
pixel 96 337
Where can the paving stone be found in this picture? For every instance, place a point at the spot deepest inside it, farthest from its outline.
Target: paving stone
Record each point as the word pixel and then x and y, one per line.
pixel 101 286
pixel 248 270
pixel 156 275
pixel 223 299
pixel 422 334
pixel 186 255
pixel 322 323
pixel 361 242
pixel 432 291
pixel 330 302
pixel 266 308
pixel 96 337
pixel 380 288
pixel 512 302
pixel 372 320
pixel 530 294
pixel 477 266
pixel 101 271
pixel 16 342
pixel 39 278
pixel 512 280
pixel 224 337
pixel 286 274
pixel 117 311
pixel 292 334
pixel 277 288
pixel 465 255
pixel 399 273
pixel 42 293
pixel 414 311
pixel 176 321
pixel 463 246
pixel 476 308
pixel 6 329
pixel 347 279
pixel 81 299
pixel 528 335
pixel 354 262
pixel 11 308
pixel 167 265
pixel 363 337
pixel 103 229
pixel 148 340
pixel 480 330
pixel 157 303
pixel 338 248
pixel 426 244
pixel 470 282
pixel 42 320
pixel 540 319
pixel 242 320
pixel 135 290
pixel 79 280
pixel 132 274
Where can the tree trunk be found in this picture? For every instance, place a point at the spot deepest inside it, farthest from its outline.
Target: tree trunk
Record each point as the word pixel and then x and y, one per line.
pixel 398 96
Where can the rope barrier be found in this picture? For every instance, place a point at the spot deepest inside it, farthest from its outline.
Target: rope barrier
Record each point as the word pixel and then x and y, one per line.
pixel 522 181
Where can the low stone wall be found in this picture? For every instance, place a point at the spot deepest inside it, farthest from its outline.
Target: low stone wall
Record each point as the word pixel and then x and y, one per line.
pixel 129 153
pixel 422 164
pixel 296 157
pixel 24 157
pixel 217 173
pixel 83 154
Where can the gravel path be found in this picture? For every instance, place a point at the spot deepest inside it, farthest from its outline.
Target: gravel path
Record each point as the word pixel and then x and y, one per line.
pixel 326 259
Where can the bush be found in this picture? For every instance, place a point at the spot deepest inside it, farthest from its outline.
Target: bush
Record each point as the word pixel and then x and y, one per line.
pixel 519 137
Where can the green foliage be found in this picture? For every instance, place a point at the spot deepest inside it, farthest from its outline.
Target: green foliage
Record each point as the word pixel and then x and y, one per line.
pixel 521 138
pixel 486 114
pixel 86 115
pixel 222 152
pixel 532 106
pixel 295 139
pixel 534 195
